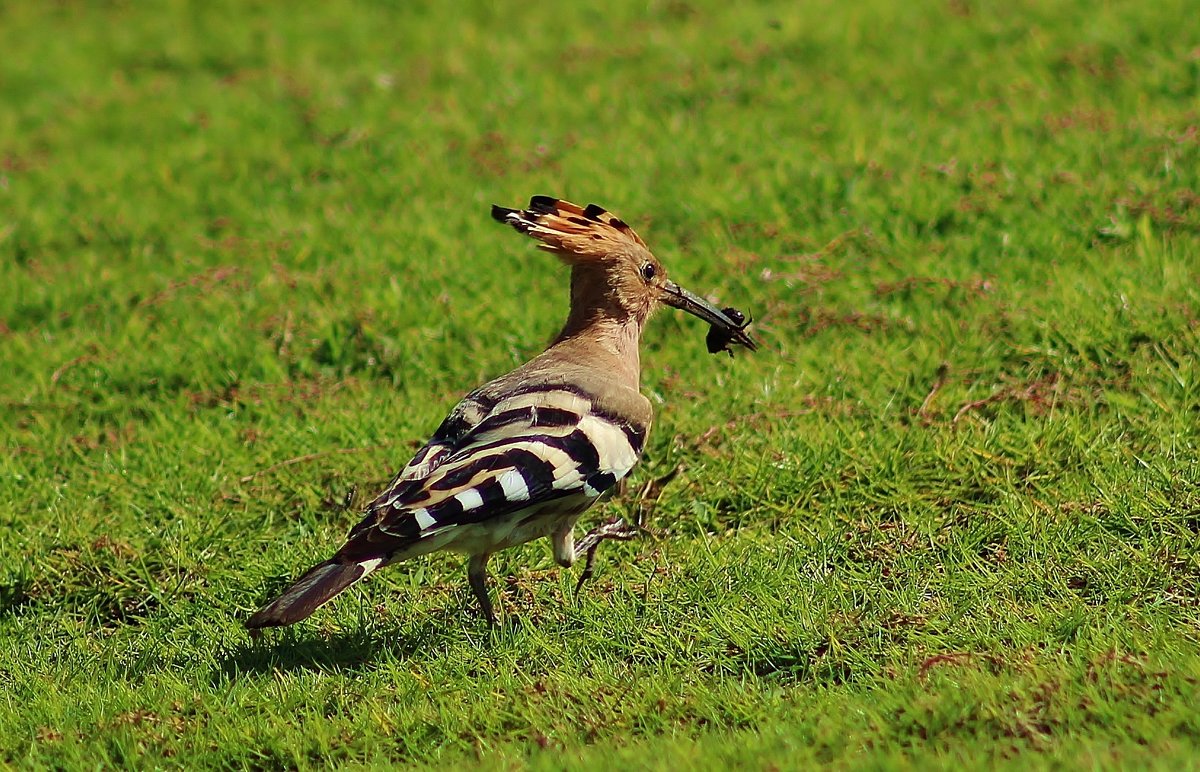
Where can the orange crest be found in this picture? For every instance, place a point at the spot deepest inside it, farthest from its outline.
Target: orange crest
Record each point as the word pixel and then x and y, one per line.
pixel 574 233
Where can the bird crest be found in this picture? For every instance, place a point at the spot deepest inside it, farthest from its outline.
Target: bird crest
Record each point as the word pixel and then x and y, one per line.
pixel 613 273
pixel 573 232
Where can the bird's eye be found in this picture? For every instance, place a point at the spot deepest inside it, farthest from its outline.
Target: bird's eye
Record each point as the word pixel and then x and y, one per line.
pixel 648 271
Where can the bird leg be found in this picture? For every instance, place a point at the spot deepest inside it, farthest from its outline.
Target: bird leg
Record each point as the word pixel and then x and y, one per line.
pixel 615 528
pixel 477 575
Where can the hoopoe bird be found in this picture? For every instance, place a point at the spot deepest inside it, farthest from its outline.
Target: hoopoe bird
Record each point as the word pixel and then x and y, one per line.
pixel 525 455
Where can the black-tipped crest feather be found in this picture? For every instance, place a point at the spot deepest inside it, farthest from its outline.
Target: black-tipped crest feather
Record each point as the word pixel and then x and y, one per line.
pixel 543 204
pixel 501 213
pixel 569 229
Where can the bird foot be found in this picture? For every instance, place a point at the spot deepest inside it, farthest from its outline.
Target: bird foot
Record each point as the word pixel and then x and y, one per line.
pixel 616 529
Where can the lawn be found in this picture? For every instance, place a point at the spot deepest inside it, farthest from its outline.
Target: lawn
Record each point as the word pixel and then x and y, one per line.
pixel 948 514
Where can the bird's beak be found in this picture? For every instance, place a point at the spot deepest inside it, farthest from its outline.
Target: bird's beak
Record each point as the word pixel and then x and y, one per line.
pixel 677 296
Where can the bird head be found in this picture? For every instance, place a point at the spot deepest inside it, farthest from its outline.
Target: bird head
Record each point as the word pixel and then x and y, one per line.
pixel 616 272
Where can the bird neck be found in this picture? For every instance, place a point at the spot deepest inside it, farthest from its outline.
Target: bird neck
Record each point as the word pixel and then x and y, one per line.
pixel 599 330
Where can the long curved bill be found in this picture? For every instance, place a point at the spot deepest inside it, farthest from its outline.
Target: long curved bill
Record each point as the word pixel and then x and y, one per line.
pixel 732 330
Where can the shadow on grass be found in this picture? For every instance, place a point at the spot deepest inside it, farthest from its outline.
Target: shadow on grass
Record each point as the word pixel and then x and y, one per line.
pixel 300 649
pixel 14 598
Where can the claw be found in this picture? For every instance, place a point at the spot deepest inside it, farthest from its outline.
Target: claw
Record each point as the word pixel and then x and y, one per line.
pixel 615 529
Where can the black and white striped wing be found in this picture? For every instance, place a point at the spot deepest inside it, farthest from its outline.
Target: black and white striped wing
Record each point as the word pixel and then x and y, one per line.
pixel 532 448
pixel 492 471
pixel 465 416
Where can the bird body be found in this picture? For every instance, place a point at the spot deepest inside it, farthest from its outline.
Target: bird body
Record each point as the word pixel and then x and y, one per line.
pixel 523 456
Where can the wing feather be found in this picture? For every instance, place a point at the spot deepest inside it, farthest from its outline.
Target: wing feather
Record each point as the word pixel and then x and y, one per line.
pixel 529 449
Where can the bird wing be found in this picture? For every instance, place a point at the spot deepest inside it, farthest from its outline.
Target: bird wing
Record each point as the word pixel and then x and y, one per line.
pixel 531 447
pixel 465 416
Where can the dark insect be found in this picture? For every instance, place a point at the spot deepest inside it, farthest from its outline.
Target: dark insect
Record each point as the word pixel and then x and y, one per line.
pixel 718 339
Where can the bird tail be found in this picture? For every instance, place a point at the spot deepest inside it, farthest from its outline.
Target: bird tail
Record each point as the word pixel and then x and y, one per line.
pixel 569 229
pixel 320 585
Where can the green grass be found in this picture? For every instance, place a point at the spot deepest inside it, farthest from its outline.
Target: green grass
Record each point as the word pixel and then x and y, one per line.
pixel 949 513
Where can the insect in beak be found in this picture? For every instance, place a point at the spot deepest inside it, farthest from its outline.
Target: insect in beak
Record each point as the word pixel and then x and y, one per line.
pixel 728 326
pixel 718 338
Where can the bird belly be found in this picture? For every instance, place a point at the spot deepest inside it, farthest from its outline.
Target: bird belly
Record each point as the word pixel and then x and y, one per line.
pixel 517 527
